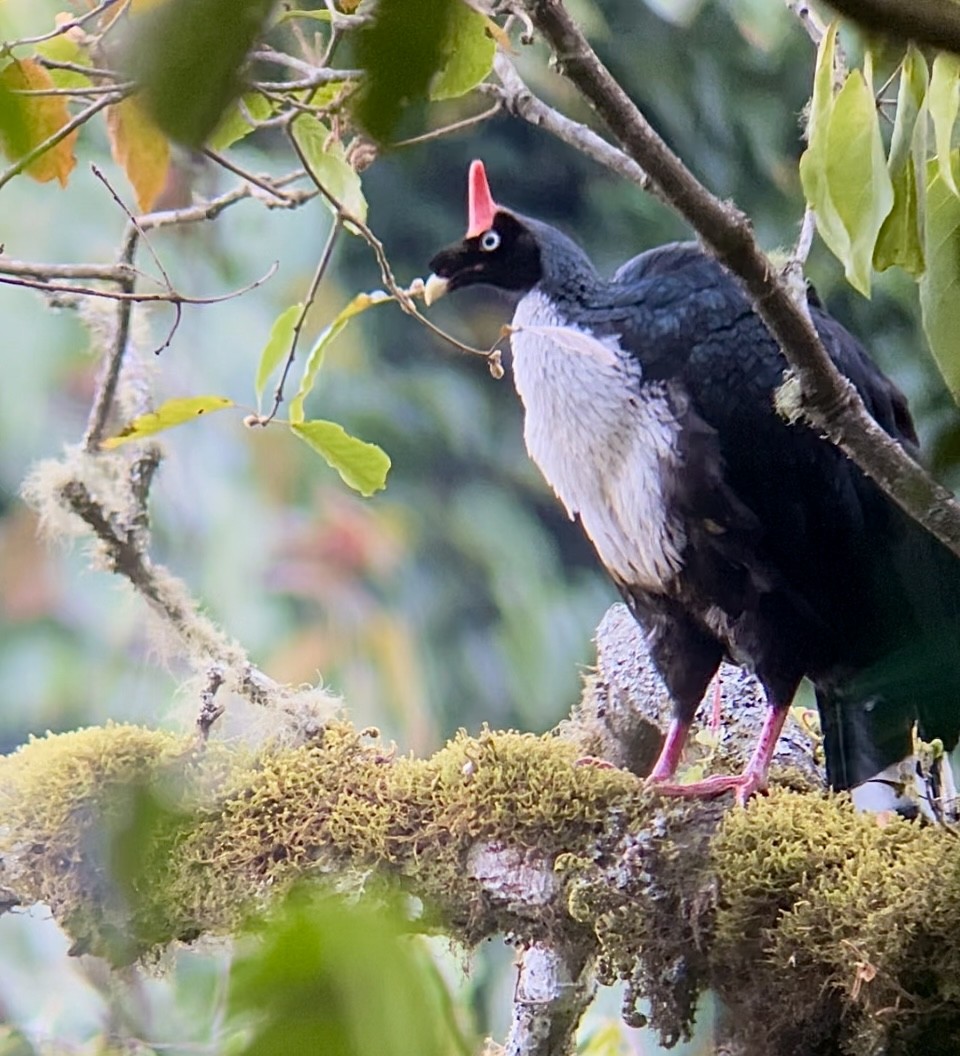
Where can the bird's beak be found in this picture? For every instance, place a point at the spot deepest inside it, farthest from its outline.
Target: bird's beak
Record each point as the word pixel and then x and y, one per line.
pixel 434 288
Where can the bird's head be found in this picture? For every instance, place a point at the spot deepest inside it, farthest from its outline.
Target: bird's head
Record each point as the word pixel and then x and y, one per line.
pixel 500 249
pixel 504 249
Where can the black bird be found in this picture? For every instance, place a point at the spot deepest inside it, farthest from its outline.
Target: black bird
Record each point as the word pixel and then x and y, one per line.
pixel 649 409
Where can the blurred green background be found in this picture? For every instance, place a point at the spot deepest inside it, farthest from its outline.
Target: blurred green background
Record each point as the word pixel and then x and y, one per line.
pixel 460 595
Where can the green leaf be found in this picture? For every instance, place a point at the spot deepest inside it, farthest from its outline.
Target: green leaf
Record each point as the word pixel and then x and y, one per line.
pixel 400 52
pixel 362 466
pixel 277 347
pixel 844 171
pixel 900 240
pixel 326 159
pixel 234 124
pixel 914 79
pixel 469 51
pixel 338 978
pixel 287 16
pixel 813 163
pixel 944 103
pixel 64 48
pixel 187 55
pixel 166 416
pixel 940 284
pixel 359 304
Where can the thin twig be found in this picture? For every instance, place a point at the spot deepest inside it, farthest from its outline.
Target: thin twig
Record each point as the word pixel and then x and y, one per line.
pixel 210 210
pixel 316 80
pixel 63 27
pixel 146 298
pixel 308 302
pixel 457 126
pixel 135 225
pixel 403 297
pixel 264 183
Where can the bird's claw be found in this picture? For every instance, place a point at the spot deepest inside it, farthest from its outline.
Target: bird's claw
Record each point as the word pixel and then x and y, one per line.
pixel 742 785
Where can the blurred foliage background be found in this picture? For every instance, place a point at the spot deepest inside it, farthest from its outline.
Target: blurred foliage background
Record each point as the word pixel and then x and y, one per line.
pixel 460 595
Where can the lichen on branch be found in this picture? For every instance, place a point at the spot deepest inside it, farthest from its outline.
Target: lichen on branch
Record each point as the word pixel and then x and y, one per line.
pixel 795 907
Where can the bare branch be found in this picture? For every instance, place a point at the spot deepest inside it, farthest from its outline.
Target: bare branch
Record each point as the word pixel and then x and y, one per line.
pixel 65 27
pixel 829 401
pixel 113 365
pixel 212 209
pixel 456 126
pixel 932 22
pixel 520 101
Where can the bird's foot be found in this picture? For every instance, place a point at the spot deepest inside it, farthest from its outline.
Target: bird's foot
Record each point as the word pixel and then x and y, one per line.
pixel 742 785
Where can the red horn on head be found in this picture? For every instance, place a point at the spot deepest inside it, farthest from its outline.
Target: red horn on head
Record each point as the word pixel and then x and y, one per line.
pixel 482 207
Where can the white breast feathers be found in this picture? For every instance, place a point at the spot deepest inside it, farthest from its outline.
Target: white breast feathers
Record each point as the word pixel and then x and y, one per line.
pixel 601 439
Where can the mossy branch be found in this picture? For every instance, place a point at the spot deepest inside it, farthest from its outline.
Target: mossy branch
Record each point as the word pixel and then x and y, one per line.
pixel 808 920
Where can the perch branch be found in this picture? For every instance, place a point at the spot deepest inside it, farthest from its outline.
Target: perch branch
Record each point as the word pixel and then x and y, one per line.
pixel 828 400
pixel 932 22
pixel 505 833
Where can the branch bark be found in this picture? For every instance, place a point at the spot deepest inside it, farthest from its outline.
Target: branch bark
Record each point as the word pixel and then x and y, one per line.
pixel 932 22
pixel 802 916
pixel 828 401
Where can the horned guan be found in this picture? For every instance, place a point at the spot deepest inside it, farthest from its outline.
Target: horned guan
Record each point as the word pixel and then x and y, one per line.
pixel 730 532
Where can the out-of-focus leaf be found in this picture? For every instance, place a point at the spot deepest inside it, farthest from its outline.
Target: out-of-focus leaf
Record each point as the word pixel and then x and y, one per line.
pixel 276 348
pixel 608 1040
pixel 361 466
pixel 944 103
pixel 359 304
pixel 900 239
pixel 287 16
pixel 166 416
pixel 140 149
pixel 339 979
pixel 400 52
pixel 469 49
pixel 64 48
pixel 327 161
pixel 235 123
pixel 940 283
pixel 186 56
pixel 40 117
pixel 844 170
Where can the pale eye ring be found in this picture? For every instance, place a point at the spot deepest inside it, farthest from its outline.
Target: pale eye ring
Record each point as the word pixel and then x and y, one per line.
pixel 489 240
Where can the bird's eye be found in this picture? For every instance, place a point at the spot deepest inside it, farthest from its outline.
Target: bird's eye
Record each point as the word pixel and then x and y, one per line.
pixel 489 241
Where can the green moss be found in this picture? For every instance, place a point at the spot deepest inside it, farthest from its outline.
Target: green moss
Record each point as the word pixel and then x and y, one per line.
pixel 836 924
pixel 215 832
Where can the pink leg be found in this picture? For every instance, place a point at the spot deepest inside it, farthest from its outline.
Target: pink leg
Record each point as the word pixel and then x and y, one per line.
pixel 716 713
pixel 666 765
pixel 753 779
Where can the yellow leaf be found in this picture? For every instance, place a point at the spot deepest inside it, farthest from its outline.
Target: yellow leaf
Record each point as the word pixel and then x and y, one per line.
pixel 166 416
pixel 140 149
pixel 43 116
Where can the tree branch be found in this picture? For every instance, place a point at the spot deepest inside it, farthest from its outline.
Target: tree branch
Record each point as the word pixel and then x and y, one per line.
pixel 932 22
pixel 802 915
pixel 829 402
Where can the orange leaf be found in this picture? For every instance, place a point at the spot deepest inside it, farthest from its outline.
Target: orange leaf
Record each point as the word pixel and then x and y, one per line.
pixel 43 116
pixel 140 148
